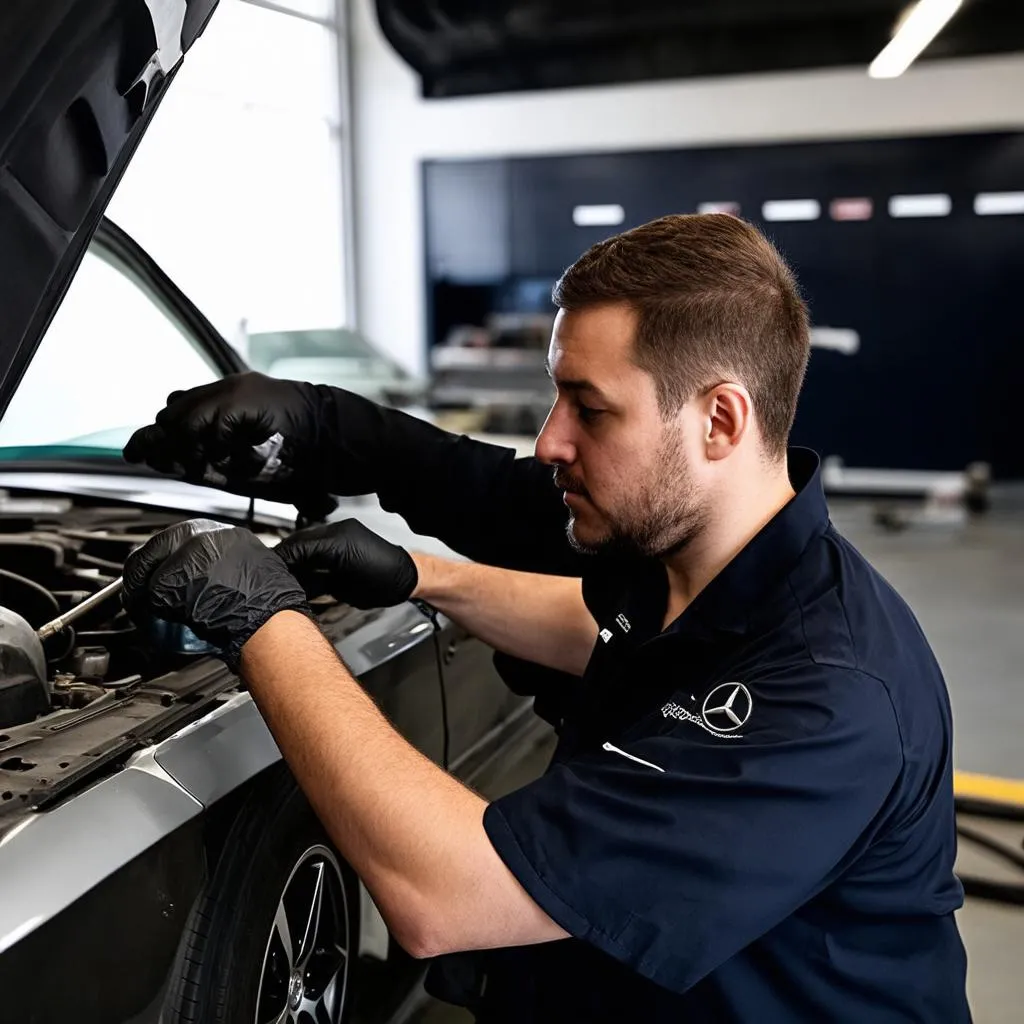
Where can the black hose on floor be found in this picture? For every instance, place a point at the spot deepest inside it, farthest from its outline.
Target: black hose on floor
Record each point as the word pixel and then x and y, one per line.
pixel 986 888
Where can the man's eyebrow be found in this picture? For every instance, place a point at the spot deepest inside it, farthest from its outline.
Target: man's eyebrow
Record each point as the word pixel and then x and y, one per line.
pixel 577 385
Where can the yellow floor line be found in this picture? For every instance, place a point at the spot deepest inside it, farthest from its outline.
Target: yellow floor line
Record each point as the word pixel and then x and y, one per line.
pixel 989 787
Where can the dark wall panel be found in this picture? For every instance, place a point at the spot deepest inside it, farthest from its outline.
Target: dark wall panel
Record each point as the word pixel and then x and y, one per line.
pixel 936 301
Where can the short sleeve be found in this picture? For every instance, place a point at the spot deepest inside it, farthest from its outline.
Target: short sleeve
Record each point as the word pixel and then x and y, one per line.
pixel 673 850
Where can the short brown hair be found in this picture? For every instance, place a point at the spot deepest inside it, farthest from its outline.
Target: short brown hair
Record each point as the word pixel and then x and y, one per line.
pixel 713 299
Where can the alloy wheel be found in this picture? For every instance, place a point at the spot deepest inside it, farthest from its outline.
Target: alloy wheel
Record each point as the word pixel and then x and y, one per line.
pixel 305 964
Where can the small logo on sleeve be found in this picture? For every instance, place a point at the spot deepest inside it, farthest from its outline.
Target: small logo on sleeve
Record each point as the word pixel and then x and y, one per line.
pixel 605 635
pixel 623 623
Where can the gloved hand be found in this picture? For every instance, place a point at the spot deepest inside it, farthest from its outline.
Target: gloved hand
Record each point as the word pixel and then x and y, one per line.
pixel 283 440
pixel 220 581
pixel 247 433
pixel 351 562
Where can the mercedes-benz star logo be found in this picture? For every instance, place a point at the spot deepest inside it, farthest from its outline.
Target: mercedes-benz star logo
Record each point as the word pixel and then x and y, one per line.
pixel 727 707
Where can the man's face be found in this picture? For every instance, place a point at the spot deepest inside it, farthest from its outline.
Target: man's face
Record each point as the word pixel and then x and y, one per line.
pixel 627 472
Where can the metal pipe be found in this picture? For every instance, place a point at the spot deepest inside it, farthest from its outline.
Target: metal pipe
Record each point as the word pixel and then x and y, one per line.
pixel 59 623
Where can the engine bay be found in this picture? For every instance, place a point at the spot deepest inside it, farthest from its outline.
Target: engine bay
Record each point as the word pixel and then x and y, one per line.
pixel 78 705
pixel 54 554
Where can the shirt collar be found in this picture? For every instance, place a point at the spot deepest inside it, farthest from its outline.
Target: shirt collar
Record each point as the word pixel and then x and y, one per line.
pixel 729 601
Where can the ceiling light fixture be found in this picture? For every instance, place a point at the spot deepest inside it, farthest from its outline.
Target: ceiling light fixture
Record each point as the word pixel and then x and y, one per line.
pixel 791 209
pixel 603 215
pixel 915 30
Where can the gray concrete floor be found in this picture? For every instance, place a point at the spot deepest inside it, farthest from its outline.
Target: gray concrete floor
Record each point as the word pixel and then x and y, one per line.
pixel 966 586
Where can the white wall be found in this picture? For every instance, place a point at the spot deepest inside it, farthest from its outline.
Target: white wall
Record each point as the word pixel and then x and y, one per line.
pixel 395 129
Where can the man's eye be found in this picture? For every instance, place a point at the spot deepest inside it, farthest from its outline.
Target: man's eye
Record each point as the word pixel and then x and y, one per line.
pixel 587 414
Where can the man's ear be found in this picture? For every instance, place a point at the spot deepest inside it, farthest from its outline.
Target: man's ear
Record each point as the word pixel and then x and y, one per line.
pixel 728 418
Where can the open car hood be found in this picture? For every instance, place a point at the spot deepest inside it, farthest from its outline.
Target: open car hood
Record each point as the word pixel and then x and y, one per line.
pixel 79 83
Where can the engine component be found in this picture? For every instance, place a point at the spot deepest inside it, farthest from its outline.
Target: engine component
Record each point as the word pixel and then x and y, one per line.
pixel 90 662
pixel 30 600
pixel 56 558
pixel 24 692
pixel 70 692
pixel 38 557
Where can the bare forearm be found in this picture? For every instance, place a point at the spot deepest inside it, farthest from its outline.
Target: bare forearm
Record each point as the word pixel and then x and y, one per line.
pixel 413 833
pixel 535 617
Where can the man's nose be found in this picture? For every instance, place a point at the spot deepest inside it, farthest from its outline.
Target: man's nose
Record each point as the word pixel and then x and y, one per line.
pixel 555 445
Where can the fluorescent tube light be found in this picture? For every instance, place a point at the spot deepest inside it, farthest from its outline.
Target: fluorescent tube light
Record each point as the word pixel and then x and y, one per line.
pixel 988 204
pixel 937 205
pixel 598 216
pixel 915 31
pixel 791 209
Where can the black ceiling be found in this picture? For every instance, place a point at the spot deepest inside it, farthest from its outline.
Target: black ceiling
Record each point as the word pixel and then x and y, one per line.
pixel 464 47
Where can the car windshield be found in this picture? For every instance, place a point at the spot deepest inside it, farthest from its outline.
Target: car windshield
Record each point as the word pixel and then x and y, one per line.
pixel 106 365
pixel 115 350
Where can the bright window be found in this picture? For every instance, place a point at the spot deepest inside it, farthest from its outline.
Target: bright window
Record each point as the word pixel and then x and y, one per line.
pixel 236 188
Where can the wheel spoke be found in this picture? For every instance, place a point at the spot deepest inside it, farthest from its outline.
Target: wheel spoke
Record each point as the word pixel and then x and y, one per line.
pixel 284 933
pixel 327 1004
pixel 308 943
pixel 283 1017
pixel 317 1011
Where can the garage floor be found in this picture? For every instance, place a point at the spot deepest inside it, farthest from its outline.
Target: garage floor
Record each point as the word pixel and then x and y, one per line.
pixel 967 587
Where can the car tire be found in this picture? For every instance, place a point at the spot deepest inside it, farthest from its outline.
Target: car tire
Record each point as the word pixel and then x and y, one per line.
pixel 274 936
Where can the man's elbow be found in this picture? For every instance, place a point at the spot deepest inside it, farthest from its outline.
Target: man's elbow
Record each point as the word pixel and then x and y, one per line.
pixel 427 931
pixel 425 947
pixel 424 934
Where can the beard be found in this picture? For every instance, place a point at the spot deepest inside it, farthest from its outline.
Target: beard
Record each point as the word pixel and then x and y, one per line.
pixel 656 517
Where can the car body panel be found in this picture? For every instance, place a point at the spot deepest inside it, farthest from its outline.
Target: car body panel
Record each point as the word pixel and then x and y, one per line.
pixel 111 955
pixel 218 753
pixel 113 822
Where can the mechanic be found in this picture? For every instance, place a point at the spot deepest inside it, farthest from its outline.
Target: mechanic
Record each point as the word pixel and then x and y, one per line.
pixel 749 814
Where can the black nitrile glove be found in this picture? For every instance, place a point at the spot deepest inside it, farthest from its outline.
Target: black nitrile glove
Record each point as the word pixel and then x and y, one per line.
pixel 247 433
pixel 220 581
pixel 350 562
pixel 299 443
pixel 282 440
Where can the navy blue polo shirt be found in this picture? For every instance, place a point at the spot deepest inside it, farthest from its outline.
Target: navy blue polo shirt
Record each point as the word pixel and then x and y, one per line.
pixel 749 815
